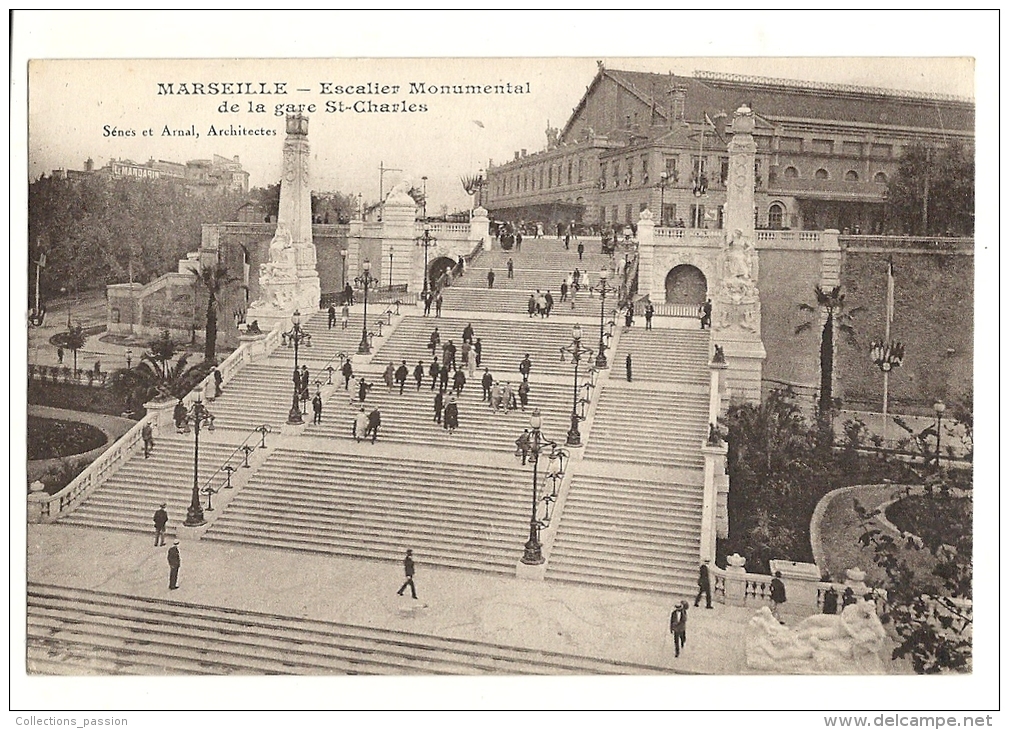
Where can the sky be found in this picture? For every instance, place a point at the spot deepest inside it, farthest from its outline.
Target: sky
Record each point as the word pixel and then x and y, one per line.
pixel 76 106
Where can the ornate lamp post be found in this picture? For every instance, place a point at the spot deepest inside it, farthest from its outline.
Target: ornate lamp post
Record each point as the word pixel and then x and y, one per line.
pixel 887 356
pixel 577 351
pixel 365 280
pixel 533 554
pixel 343 270
pixel 603 288
pixel 390 269
pixel 295 336
pixel 939 409
pixel 426 241
pixel 197 416
pixel 662 184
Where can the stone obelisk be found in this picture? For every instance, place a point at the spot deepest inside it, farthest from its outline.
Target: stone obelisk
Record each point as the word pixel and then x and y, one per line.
pixel 296 209
pixel 289 280
pixel 736 315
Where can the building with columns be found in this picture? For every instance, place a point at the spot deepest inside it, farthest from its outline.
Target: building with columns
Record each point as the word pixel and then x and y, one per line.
pixel 825 152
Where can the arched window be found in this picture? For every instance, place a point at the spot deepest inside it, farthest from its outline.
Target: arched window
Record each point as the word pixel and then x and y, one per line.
pixel 775 216
pixel 851 176
pixel 791 172
pixel 880 177
pixel 821 174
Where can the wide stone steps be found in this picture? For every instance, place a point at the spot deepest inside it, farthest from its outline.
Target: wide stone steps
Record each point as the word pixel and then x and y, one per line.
pixel 409 418
pixel 260 394
pixel 664 355
pixel 648 427
pixel 628 533
pixel 504 344
pixel 327 343
pixel 127 500
pixel 455 515
pixel 79 631
pixel 467 297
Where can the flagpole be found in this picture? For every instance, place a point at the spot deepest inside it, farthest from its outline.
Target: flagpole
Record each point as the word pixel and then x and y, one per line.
pixel 886 343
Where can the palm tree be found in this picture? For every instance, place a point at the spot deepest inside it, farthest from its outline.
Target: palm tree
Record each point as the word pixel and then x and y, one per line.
pixel 838 318
pixel 214 279
pixel 155 376
pixel 75 339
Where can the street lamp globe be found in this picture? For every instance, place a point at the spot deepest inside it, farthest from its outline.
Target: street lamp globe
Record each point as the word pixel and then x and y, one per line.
pixel 535 420
pixel 367 266
pixel 604 274
pixel 576 333
pixel 296 318
pixel 939 408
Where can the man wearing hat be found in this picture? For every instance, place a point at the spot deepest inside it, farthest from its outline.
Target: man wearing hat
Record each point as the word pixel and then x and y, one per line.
pixel 174 563
pixel 160 522
pixel 678 625
pixel 408 570
pixel 703 585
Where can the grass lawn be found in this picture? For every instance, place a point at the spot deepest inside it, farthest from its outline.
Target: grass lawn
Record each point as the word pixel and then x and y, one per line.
pixel 50 438
pixel 839 533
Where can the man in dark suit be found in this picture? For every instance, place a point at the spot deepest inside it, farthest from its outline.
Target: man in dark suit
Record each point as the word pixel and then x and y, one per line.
pixel 703 585
pixel 174 563
pixel 408 570
pixel 160 522
pixel 678 626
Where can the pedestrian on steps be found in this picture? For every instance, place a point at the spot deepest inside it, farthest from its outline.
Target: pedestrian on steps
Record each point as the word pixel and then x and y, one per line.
pixel 374 421
pixel 438 301
pixel 408 569
pixel 174 563
pixel 581 250
pixel 439 405
pixel 402 373
pixel 490 278
pixel 418 373
pixel 160 524
pixel 331 316
pixel 703 585
pixel 487 381
pixel 678 626
pixel 627 364
pixel 347 370
pixel 317 408
pixel 344 317
pixel 451 415
pixel 434 370
pixel 389 376
pixel 511 268
pixel 360 424
pixel 147 433
pixel 478 350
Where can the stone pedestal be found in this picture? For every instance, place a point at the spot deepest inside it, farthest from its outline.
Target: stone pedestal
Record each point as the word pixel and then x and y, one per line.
pixel 745 360
pixel 162 411
pixel 714 465
pixel 399 234
pixel 479 227
pixel 646 256
pixel 255 345
pixel 802 581
pixel 735 580
pixel 530 572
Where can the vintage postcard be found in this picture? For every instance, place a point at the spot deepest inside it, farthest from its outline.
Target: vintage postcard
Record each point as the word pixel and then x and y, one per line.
pixel 522 365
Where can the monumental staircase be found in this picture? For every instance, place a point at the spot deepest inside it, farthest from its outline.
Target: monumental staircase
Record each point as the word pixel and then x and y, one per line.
pixel 74 631
pixel 541 264
pixel 628 516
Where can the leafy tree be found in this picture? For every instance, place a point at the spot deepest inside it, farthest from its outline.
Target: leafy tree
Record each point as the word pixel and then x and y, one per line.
pixel 839 319
pixel 156 375
pixel 932 192
pixel 931 615
pixel 268 197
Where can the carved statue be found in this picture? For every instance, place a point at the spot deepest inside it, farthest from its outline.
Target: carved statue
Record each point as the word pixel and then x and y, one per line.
pixel 738 257
pixel 278 278
pixel 851 643
pixel 553 137
pixel 401 188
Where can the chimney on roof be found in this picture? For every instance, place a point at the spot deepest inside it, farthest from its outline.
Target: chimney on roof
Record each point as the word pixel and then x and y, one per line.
pixel 516 154
pixel 89 165
pixel 679 102
pixel 524 152
pixel 235 159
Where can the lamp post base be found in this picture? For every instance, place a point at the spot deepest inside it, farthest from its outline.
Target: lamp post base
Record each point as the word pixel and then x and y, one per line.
pixel 294 415
pixel 574 437
pixel 194 516
pixel 533 554
pixel 364 348
pixel 601 363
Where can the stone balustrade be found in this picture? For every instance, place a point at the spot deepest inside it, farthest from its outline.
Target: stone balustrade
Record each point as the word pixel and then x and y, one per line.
pixel 44 507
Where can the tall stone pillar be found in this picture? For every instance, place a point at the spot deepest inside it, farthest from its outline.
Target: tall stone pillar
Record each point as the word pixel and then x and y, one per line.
pixel 399 233
pixel 296 209
pixel 289 280
pixel 646 253
pixel 736 310
pixel 479 227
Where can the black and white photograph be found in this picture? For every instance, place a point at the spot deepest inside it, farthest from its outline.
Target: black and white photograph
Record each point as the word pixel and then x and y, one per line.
pixel 502 363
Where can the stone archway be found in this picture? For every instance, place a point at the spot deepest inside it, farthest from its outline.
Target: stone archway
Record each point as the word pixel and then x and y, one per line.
pixel 686 284
pixel 439 271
